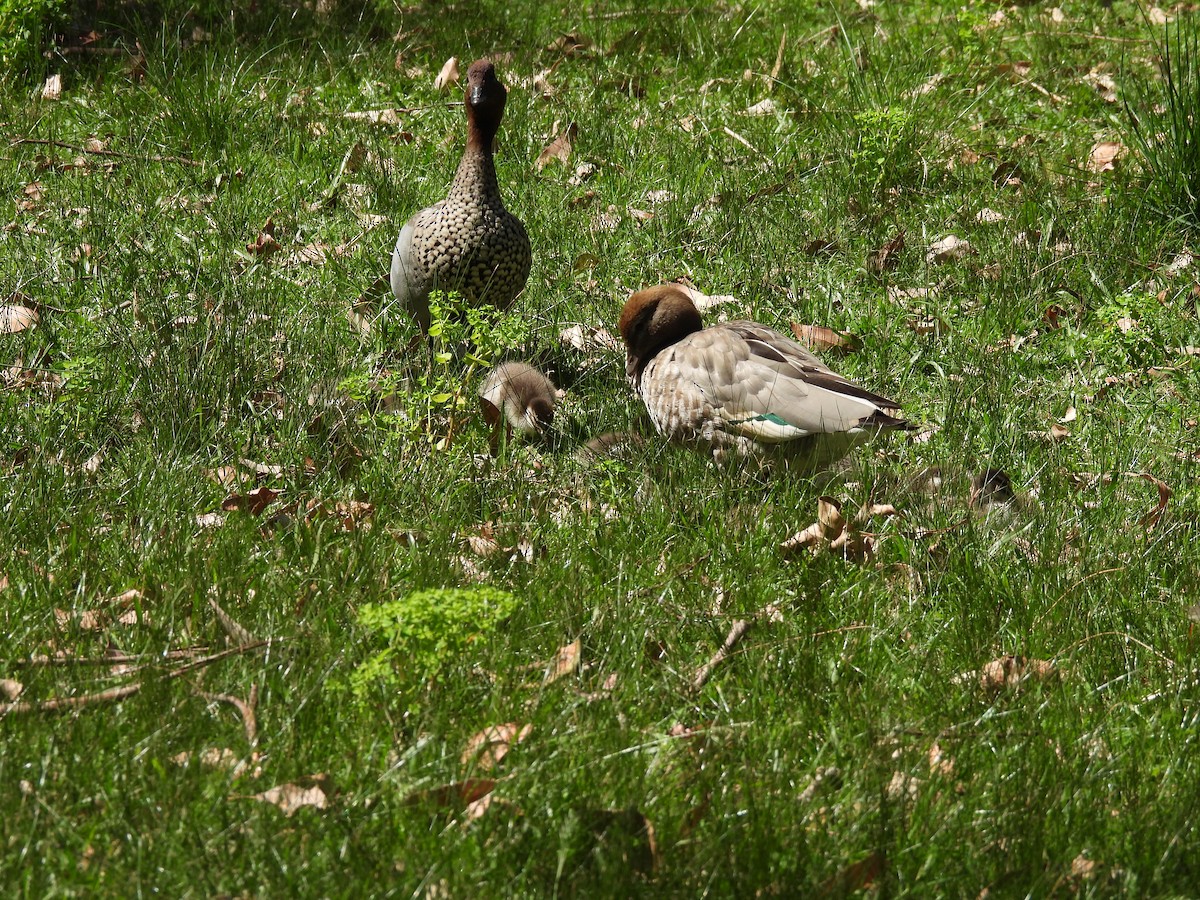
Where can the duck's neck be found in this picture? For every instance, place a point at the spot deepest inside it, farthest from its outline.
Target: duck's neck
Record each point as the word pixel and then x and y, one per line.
pixel 475 180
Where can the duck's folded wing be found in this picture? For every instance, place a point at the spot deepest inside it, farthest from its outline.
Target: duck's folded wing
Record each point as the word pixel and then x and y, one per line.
pixel 764 386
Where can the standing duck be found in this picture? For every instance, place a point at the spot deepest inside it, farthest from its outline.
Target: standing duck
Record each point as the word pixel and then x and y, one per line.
pixel 468 242
pixel 742 386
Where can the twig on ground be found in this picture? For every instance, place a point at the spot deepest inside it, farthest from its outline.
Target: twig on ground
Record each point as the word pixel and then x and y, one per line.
pixel 116 659
pixel 240 636
pixel 736 633
pixel 43 142
pixel 245 708
pixel 112 695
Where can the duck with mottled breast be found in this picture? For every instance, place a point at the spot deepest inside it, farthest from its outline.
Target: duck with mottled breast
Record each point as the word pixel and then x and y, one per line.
pixel 468 242
pixel 743 387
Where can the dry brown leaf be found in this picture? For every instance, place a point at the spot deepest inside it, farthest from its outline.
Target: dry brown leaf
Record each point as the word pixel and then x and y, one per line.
pixel 565 662
pixel 52 89
pixel 490 746
pixel 1011 671
pixel 246 709
pixel 948 249
pixel 704 302
pixel 559 148
pixel 1104 156
pixel 1058 433
pixel 15 318
pixel 253 502
pixel 887 257
pixel 448 76
pixel 607 221
pixel 265 244
pixel 939 762
pixel 569 44
pixel 457 795
pixel 819 337
pixel 834 532
pixel 314 791
pixel 375 116
pixel 222 758
pixel 762 108
pixel 11 689
pixel 822 248
pixel 1103 84
pixel 1152 518
pixel 588 339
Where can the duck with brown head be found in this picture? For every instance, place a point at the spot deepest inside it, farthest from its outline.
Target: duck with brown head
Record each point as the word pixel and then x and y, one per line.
pixel 468 242
pixel 742 387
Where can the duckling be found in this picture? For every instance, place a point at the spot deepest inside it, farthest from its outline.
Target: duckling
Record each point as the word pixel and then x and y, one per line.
pixel 521 397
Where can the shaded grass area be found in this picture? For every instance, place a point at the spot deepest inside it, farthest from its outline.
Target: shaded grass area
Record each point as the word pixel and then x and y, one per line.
pixel 838 731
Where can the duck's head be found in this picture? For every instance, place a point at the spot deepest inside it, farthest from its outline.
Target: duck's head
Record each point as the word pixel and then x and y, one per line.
pixel 655 318
pixel 485 100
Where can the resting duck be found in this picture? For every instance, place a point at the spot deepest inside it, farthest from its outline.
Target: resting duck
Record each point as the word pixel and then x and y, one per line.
pixel 520 396
pixel 468 242
pixel 742 387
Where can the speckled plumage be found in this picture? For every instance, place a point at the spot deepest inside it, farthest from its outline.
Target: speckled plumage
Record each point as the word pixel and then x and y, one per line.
pixel 467 242
pixel 742 387
pixel 521 394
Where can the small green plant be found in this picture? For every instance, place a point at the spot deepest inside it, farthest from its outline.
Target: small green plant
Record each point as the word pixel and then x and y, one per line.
pixel 459 332
pixel 424 631
pixel 1163 124
pixel 884 133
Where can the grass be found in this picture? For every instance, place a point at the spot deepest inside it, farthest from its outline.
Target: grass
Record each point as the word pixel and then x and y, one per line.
pixel 837 748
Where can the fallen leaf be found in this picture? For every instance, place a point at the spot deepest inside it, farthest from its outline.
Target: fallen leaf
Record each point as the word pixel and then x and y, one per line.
pixel 834 532
pixel 490 746
pixel 448 75
pixel 457 795
pixel 374 116
pixel 819 337
pixel 569 44
pixel 988 216
pixel 1104 156
pixel 1152 518
pixel 559 148
pixel 822 248
pixel 762 108
pixel 253 502
pixel 14 318
pixel 704 302
pixel 52 89
pixel 940 763
pixel 887 257
pixel 314 791
pixel 1058 433
pixel 222 758
pixel 1103 84
pixel 1012 671
pixel 11 689
pixel 947 249
pixel 265 244
pixel 589 339
pixel 565 661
